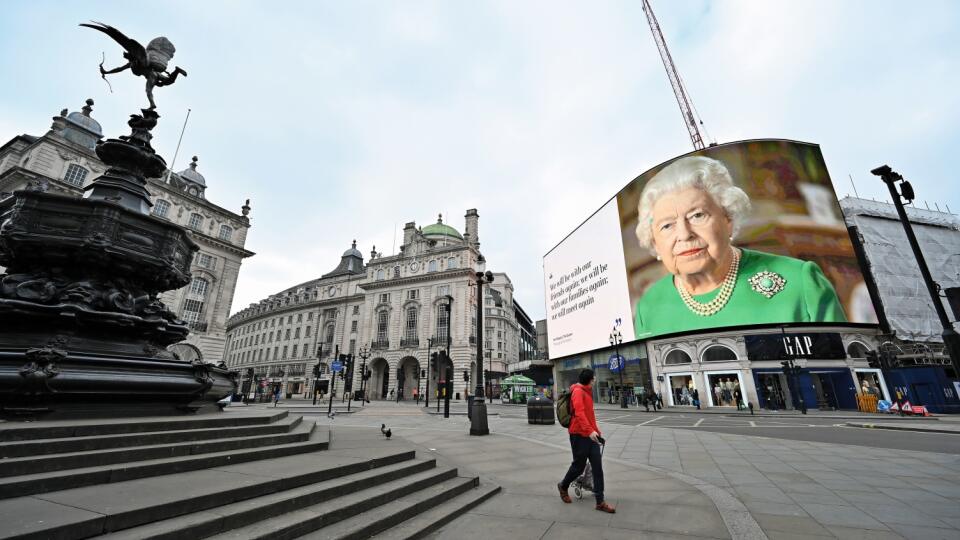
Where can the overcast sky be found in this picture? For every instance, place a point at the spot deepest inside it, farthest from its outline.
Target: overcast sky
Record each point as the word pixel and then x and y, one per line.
pixel 343 120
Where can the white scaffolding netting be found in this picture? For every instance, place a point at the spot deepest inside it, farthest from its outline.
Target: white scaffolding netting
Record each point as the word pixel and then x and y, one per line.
pixel 906 301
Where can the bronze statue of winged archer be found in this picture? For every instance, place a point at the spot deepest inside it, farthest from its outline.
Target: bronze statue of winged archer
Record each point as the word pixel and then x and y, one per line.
pixel 149 63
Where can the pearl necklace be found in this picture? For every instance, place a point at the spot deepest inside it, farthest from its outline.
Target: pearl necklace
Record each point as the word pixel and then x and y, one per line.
pixel 726 290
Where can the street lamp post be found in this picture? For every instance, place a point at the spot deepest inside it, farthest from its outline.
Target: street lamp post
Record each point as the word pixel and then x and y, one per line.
pixel 478 420
pixel 316 372
pixel 490 375
pixel 364 354
pixel 616 339
pixel 950 336
pixel 426 390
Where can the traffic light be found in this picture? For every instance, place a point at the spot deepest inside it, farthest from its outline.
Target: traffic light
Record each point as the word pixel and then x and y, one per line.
pixel 434 357
pixel 250 372
pixel 466 375
pixel 423 373
pixel 316 371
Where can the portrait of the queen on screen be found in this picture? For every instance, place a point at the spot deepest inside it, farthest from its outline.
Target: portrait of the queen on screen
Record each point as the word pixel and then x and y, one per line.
pixel 688 215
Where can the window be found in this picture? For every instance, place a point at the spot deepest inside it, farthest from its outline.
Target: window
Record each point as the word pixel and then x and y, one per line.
pixel 284 351
pixel 75 175
pixel 198 286
pixel 718 353
pixel 192 310
pixel 379 274
pixel 353 346
pixel 676 356
pixel 226 232
pixel 356 310
pixel 299 317
pixel 287 335
pixel 293 354
pixel 382 320
pixel 411 333
pixel 385 298
pixel 857 350
pixel 161 208
pixel 296 334
pixel 451 263
pixel 443 318
pixel 329 336
pixel 396 272
pixel 206 261
pixel 290 319
pixel 413 295
pixel 196 221
pixel 353 326
pixel 307 333
pixel 310 316
pixel 432 266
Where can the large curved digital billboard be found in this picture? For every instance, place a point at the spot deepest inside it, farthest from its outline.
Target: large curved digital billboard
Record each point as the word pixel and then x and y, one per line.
pixel 738 234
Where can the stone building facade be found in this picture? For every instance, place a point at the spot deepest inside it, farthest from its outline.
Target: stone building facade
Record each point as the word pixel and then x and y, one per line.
pixel 391 312
pixel 63 161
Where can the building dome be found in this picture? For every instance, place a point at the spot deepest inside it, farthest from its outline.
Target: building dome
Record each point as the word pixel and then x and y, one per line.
pixel 190 174
pixel 441 229
pixel 353 252
pixel 79 127
pixel 84 120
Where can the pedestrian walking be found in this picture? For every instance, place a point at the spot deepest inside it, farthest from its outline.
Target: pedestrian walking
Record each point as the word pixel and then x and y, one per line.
pixel 659 401
pixel 585 441
pixel 276 395
pixel 696 398
pixel 738 396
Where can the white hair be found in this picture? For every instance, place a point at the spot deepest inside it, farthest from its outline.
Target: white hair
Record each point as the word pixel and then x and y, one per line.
pixel 709 175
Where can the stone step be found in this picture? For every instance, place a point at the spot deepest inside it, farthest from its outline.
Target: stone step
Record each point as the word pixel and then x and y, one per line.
pixel 36 447
pixel 381 518
pixel 93 510
pixel 72 460
pixel 441 483
pixel 231 516
pixel 17 431
pixel 435 518
pixel 29 484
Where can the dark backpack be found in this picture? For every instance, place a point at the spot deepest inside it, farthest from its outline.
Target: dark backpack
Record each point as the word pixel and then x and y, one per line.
pixel 564 409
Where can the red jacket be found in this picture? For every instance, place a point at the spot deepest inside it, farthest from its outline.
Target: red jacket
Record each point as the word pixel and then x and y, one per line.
pixel 583 422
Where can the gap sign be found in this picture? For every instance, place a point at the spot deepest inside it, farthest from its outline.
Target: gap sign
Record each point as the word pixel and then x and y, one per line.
pixel 789 346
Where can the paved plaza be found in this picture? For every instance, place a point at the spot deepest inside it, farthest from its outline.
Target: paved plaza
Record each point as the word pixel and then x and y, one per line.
pixel 686 482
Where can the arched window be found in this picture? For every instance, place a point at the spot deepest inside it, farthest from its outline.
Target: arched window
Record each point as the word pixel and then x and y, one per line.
pixel 161 208
pixel 675 357
pixel 379 274
pixel 226 232
pixel 328 337
pixel 396 271
pixel 718 353
pixel 196 221
pixel 857 350
pixel 75 175
pixel 411 329
pixel 451 263
pixel 432 266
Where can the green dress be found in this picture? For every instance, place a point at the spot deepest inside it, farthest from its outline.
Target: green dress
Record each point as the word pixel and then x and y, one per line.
pixel 804 295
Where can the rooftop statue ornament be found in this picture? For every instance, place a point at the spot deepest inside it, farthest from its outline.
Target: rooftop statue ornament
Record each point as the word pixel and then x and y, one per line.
pixel 150 62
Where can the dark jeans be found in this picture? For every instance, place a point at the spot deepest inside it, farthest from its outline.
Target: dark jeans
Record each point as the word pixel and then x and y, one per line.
pixel 583 449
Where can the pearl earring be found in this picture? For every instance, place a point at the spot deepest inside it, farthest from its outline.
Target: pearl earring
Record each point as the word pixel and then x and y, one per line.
pixel 731 239
pixel 659 258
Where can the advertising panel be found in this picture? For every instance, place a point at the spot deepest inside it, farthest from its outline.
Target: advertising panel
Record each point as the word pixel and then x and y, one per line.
pixel 745 233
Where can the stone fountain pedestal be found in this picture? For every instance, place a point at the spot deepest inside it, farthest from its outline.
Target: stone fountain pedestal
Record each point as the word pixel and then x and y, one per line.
pixel 82 332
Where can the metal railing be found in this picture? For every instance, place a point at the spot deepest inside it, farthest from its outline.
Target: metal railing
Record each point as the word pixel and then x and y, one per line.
pixel 410 343
pixel 380 345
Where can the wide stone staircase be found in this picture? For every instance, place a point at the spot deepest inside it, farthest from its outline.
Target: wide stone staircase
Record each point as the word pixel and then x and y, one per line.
pixel 255 474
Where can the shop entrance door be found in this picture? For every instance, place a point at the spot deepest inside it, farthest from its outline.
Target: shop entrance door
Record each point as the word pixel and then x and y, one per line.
pixel 773 391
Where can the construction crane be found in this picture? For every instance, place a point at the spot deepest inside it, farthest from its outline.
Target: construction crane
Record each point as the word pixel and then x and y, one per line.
pixel 690 117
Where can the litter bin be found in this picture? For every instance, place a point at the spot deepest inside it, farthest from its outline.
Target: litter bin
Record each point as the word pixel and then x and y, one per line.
pixel 540 410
